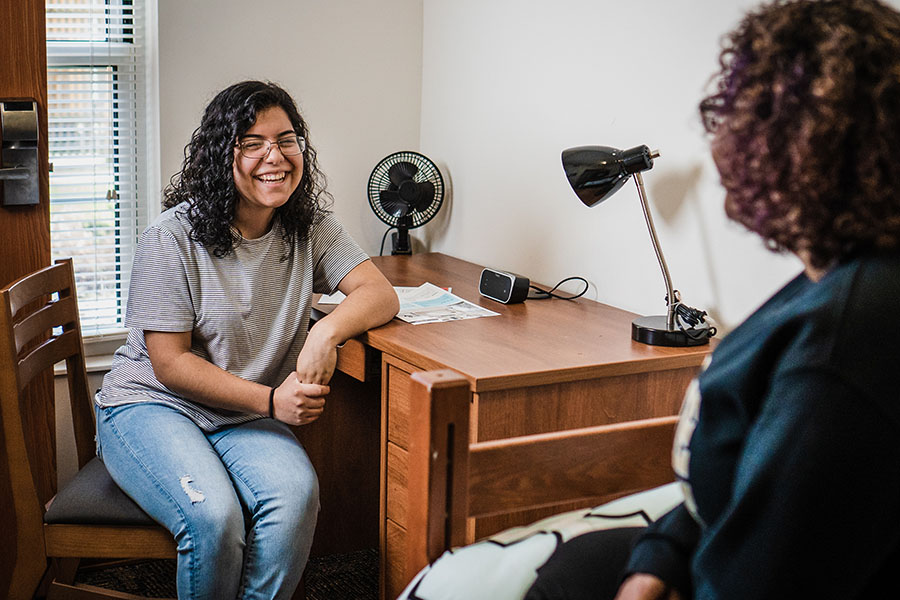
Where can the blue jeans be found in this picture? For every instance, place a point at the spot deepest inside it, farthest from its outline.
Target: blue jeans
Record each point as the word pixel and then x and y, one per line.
pixel 241 502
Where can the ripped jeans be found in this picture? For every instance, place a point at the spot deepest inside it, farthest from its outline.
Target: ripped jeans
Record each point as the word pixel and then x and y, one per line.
pixel 241 502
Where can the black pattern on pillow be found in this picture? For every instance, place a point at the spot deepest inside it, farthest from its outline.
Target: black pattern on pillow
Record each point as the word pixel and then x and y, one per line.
pixel 503 566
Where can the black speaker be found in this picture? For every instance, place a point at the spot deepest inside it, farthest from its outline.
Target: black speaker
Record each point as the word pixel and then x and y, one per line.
pixel 507 288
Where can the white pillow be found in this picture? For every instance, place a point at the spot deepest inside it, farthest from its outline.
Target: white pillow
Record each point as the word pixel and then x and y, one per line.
pixel 503 566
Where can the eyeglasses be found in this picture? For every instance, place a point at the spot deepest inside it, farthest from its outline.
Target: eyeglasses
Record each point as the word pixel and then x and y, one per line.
pixel 258 148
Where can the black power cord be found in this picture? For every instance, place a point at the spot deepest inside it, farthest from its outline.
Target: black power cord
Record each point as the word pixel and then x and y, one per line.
pixel 541 294
pixel 687 317
pixel 384 237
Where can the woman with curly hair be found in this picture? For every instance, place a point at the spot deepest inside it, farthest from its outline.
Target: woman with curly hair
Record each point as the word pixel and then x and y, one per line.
pixel 193 418
pixel 787 447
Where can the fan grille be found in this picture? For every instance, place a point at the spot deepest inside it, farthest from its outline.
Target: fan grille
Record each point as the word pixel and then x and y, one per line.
pixel 426 171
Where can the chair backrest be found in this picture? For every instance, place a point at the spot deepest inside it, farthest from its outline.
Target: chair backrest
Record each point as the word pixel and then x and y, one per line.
pixel 452 479
pixel 39 327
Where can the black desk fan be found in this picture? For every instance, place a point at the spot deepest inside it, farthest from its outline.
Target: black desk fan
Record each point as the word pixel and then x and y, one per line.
pixel 406 191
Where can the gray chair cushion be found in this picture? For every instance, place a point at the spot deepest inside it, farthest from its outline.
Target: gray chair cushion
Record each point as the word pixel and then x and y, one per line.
pixel 93 498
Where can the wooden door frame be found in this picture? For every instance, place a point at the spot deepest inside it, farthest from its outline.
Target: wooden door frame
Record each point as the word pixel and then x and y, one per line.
pixel 25 247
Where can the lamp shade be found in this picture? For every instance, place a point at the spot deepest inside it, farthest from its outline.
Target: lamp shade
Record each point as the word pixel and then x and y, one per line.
pixel 597 172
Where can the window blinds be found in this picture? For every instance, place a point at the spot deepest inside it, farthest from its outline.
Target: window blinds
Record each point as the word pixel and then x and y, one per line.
pixel 95 70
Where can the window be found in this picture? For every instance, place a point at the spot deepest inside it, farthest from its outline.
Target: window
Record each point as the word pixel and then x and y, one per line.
pixel 98 148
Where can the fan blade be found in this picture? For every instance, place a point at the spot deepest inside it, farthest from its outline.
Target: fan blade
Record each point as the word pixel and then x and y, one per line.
pixel 425 196
pixel 392 203
pixel 402 171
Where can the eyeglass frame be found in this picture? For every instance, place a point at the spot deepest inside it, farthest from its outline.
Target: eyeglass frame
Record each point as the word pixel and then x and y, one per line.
pixel 301 142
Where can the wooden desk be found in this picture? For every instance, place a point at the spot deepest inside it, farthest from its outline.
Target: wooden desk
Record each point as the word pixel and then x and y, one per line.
pixel 540 366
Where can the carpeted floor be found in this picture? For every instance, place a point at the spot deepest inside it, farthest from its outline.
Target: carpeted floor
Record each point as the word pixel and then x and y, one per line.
pixel 352 576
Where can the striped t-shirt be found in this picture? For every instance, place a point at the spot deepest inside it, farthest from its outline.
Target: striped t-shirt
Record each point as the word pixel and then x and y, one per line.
pixel 248 311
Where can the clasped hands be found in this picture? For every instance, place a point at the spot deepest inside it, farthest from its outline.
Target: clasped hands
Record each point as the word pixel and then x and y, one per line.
pixel 300 399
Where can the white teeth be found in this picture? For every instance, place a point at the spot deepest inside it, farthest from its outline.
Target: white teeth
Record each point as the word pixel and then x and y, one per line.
pixel 271 177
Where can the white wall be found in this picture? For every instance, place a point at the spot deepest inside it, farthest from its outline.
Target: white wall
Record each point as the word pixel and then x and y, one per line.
pixel 508 85
pixel 66 454
pixel 354 68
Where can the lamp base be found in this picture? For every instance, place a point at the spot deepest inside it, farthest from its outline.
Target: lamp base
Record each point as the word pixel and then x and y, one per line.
pixel 654 331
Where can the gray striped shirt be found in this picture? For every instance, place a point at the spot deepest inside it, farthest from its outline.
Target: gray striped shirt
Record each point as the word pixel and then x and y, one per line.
pixel 248 311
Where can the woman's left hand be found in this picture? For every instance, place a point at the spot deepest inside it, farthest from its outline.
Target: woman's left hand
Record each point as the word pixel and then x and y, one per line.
pixel 317 360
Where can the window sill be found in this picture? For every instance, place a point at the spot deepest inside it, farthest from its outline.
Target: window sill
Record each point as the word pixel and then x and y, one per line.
pixel 98 352
pixel 99 349
pixel 93 364
pixel 99 363
pixel 104 344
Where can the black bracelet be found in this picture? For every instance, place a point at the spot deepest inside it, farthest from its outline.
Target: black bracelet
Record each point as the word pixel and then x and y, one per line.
pixel 271 403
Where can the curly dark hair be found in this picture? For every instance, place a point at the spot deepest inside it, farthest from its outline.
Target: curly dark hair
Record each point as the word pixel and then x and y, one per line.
pixel 206 179
pixel 806 125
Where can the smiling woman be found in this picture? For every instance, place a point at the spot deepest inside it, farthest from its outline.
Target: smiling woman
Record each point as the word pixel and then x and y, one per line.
pixel 193 418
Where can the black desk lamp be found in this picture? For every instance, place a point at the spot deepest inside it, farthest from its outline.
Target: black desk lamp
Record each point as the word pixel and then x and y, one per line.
pixel 596 173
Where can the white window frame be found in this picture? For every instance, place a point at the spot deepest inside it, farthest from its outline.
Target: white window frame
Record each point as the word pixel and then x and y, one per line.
pixel 102 343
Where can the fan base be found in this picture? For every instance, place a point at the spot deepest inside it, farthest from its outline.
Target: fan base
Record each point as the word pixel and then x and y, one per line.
pixel 400 243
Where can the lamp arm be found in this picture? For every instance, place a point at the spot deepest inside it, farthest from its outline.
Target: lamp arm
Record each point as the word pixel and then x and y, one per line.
pixel 670 294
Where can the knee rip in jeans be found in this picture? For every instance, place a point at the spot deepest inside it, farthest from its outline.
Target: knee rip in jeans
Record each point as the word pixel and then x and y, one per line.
pixel 193 493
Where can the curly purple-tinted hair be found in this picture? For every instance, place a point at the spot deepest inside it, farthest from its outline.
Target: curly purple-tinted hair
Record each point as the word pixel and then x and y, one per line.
pixel 206 179
pixel 806 124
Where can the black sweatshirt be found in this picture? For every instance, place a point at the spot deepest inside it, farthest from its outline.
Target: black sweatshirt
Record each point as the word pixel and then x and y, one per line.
pixel 791 461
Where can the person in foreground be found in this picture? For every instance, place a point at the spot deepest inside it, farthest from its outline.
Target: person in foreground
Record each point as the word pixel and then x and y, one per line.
pixel 789 462
pixel 193 418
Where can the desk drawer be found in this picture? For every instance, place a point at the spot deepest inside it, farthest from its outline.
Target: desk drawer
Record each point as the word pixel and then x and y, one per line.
pixel 395 393
pixel 395 560
pixel 353 359
pixel 397 474
pixel 398 406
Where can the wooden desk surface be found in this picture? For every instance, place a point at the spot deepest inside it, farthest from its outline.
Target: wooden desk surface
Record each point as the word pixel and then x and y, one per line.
pixel 531 343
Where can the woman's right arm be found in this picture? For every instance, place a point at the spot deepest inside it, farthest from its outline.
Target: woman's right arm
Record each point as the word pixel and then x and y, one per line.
pixel 188 375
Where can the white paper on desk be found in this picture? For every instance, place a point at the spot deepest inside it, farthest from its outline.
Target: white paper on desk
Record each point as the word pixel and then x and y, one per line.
pixel 338 297
pixel 334 298
pixel 403 293
pixel 428 303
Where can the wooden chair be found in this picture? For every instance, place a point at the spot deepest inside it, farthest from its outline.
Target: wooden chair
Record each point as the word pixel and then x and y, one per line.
pixel 452 480
pixel 91 518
